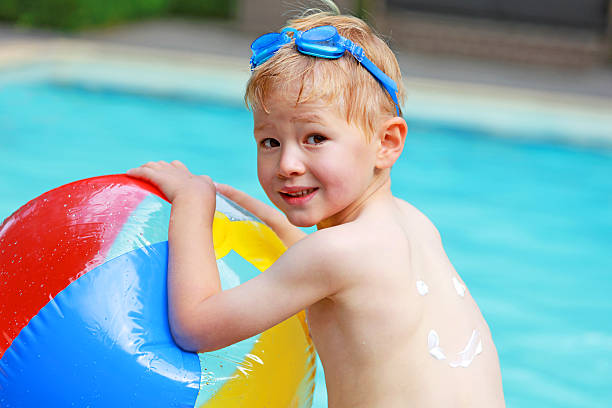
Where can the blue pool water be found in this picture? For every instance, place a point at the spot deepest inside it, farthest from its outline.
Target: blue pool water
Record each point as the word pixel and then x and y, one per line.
pixel 527 224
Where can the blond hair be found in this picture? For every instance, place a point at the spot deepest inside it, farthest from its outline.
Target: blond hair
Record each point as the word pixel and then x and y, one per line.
pixel 342 82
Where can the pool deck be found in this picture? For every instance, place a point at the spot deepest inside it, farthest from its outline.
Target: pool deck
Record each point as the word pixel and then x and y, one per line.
pixel 439 86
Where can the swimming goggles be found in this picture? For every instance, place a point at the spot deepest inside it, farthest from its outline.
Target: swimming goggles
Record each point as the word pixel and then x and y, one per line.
pixel 323 42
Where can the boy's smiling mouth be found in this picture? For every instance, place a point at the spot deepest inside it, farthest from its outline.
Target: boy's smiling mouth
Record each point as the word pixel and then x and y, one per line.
pixel 298 195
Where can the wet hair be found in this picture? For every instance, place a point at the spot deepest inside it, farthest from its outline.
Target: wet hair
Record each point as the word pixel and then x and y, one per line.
pixel 343 83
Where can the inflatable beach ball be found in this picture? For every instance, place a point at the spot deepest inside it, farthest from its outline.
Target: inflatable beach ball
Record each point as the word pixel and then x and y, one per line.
pixel 83 308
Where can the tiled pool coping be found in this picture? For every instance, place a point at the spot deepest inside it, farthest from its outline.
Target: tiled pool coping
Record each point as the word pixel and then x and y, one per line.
pixel 499 110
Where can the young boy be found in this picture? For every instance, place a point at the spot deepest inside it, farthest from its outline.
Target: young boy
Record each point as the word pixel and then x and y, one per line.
pixel 392 322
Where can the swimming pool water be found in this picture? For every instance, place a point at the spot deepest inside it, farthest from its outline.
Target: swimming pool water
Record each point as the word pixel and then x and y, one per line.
pixel 526 224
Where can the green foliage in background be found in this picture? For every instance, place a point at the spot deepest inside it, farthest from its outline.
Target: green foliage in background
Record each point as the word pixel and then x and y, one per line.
pixel 77 14
pixel 9 10
pixel 203 8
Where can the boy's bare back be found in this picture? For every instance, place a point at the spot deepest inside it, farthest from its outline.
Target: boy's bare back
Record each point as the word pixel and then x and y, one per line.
pixel 372 335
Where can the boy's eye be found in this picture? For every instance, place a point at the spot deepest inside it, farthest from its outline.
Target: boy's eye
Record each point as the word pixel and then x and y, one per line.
pixel 315 139
pixel 269 143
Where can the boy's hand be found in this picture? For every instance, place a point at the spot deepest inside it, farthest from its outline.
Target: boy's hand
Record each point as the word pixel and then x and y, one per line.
pixel 175 180
pixel 287 232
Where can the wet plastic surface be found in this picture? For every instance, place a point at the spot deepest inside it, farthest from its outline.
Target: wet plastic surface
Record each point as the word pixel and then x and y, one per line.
pixel 106 335
pixel 84 309
pixel 55 239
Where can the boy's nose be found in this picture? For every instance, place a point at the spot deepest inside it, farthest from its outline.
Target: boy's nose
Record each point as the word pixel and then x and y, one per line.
pixel 290 164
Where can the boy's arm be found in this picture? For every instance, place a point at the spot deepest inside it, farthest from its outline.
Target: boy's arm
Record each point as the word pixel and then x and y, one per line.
pixel 192 267
pixel 287 232
pixel 294 282
pixel 204 318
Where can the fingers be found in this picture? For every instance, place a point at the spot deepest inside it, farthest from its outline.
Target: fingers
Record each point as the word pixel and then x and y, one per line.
pixel 148 167
pixel 179 165
pixel 233 194
pixel 156 171
pixel 225 189
pixel 141 172
pixel 263 211
pixel 156 165
pixel 288 233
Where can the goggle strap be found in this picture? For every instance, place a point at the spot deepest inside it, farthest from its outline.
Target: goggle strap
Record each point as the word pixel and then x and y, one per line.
pixel 291 30
pixel 353 48
pixel 359 54
pixel 389 84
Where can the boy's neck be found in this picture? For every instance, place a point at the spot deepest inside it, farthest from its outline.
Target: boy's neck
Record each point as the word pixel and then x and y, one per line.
pixel 380 188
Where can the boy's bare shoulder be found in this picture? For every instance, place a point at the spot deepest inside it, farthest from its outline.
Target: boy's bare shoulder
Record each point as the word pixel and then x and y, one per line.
pixel 336 244
pixel 418 221
pixel 339 251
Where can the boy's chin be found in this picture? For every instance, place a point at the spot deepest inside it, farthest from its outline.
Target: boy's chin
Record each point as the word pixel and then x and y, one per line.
pixel 302 222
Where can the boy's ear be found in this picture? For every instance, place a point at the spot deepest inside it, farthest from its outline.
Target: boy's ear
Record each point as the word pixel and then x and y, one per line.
pixel 391 136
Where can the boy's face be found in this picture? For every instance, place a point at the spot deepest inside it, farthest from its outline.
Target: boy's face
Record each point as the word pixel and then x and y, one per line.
pixel 311 163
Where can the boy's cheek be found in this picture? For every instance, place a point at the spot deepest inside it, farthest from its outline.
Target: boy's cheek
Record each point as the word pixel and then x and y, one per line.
pixel 343 186
pixel 266 183
pixel 262 174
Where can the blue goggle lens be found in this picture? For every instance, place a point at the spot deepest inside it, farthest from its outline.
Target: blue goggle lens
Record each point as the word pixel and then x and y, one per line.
pixel 266 41
pixel 320 34
pixel 323 42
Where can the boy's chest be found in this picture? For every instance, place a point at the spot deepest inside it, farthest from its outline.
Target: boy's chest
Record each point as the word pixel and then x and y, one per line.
pixel 322 323
pixel 319 316
pixel 329 329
